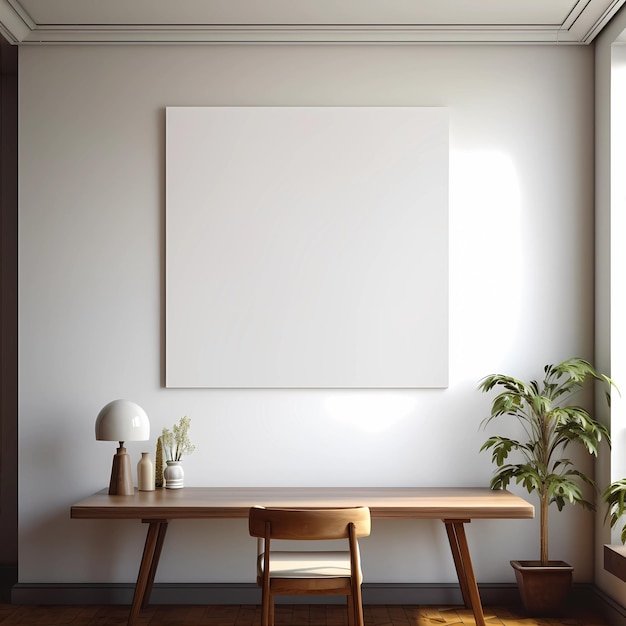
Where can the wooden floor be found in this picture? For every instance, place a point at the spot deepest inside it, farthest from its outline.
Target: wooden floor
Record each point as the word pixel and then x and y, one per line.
pixel 286 615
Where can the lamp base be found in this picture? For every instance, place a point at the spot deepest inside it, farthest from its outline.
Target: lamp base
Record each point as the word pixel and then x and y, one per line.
pixel 121 475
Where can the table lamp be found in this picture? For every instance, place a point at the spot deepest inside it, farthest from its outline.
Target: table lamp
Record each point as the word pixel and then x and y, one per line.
pixel 122 420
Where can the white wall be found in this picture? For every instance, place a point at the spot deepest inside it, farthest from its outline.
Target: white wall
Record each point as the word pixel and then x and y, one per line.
pixel 91 296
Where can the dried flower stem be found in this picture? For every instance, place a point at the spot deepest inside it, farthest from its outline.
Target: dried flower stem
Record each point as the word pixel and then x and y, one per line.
pixel 176 444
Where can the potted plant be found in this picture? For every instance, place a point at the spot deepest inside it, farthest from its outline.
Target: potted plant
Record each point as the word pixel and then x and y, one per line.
pixel 549 424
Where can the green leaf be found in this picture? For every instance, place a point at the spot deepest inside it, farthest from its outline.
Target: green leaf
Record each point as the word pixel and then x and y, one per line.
pixel 615 495
pixel 501 448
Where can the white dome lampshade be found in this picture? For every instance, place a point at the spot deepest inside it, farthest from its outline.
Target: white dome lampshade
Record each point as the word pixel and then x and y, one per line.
pixel 122 420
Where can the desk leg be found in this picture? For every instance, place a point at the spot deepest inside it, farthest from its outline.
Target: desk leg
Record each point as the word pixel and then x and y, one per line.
pixel 464 569
pixel 155 561
pixel 147 570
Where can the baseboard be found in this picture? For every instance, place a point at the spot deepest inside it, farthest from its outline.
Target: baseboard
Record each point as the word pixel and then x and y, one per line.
pixel 122 593
pixel 614 612
pixel 249 593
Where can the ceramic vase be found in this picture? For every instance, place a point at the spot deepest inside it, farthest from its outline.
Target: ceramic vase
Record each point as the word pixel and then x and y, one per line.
pixel 174 475
pixel 145 473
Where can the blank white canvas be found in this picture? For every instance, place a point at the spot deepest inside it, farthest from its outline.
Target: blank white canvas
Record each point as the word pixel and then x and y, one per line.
pixel 307 247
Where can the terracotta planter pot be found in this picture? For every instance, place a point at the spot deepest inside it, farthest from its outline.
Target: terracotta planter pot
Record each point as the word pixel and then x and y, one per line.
pixel 543 588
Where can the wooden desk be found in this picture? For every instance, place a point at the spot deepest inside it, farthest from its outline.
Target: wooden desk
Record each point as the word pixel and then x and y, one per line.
pixel 453 506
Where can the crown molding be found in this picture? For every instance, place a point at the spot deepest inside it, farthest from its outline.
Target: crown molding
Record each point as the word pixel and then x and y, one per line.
pixel 581 26
pixel 582 22
pixel 292 34
pixel 15 25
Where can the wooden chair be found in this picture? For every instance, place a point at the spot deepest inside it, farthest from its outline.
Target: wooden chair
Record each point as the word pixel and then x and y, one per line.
pixel 310 572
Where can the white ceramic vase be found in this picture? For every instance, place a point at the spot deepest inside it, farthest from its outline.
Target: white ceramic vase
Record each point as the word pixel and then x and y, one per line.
pixel 174 475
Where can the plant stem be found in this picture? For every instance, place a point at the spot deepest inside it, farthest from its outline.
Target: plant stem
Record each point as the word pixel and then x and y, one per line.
pixel 543 521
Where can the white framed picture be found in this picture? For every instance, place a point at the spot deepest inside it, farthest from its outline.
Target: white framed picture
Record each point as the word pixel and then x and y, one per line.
pixel 307 247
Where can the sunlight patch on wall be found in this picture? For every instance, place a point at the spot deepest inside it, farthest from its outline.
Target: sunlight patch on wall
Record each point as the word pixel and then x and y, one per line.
pixel 372 411
pixel 486 252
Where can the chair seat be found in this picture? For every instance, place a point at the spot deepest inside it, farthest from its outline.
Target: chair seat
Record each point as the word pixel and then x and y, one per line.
pixel 307 564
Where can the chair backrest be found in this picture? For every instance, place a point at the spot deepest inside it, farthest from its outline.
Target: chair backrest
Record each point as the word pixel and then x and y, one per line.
pixel 309 524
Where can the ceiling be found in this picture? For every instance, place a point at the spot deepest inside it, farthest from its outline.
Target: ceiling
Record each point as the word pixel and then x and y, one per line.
pixel 31 22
